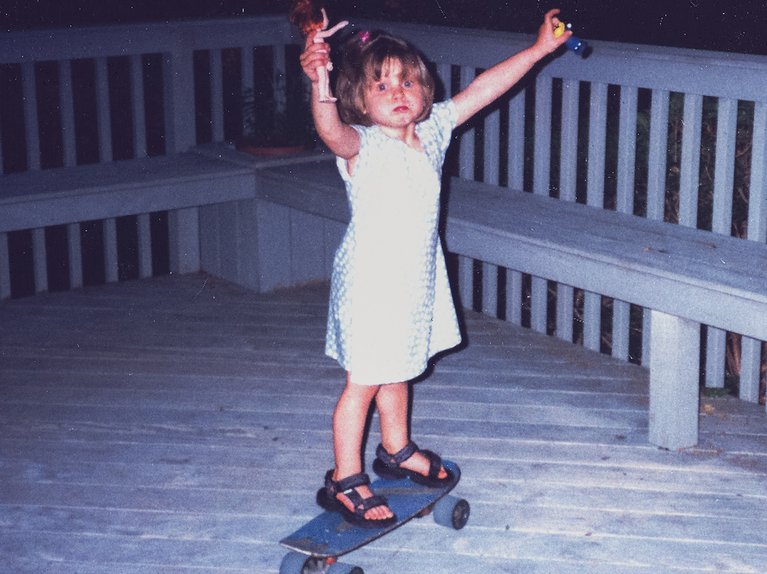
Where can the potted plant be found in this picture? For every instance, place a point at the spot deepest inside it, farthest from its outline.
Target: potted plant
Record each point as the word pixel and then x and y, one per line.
pixel 277 126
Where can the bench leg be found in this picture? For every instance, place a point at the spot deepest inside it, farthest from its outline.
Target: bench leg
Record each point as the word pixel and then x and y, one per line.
pixel 184 236
pixel 674 386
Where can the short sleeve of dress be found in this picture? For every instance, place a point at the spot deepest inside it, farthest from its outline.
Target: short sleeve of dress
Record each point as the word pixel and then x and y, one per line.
pixel 341 162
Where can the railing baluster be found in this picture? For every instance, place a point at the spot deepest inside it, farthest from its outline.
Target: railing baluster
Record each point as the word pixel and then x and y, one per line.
pixel 75 256
pixel 492 154
pixel 721 222
pixel 111 263
pixel 656 165
pixel 541 186
pixel 689 170
pixel 592 303
pixel 568 175
pixel 751 349
pixel 5 268
pixel 103 109
pixel 137 103
pixel 40 260
pixel 144 245
pixel 516 180
pixel 67 103
pixel 31 119
pixel 466 151
pixel 217 94
pixel 627 129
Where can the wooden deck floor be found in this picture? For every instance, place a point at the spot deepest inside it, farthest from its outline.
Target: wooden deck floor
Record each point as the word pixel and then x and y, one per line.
pixel 182 425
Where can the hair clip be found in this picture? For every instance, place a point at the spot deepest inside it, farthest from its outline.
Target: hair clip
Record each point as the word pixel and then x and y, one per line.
pixel 364 37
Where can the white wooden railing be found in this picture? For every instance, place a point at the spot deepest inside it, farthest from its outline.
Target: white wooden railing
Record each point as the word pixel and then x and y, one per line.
pixel 596 131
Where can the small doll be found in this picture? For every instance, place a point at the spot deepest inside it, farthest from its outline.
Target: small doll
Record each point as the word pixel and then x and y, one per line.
pixel 304 15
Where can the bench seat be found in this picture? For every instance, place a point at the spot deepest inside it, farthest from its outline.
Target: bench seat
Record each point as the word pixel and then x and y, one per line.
pixel 98 191
pixel 684 277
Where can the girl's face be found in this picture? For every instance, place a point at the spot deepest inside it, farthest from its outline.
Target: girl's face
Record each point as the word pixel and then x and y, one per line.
pixel 396 99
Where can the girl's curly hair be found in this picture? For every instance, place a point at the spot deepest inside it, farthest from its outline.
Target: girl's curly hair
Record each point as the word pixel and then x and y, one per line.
pixel 365 59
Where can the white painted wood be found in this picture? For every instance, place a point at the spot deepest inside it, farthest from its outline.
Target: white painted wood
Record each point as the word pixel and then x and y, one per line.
pixel 143 225
pixel 627 134
pixel 217 94
pixel 137 450
pixel 541 186
pixel 466 281
pixel 675 345
pixel 542 144
pixel 111 263
pixel 492 152
pixel 514 297
pixel 137 106
pixel 656 169
pixel 40 260
pixel 690 161
pixel 178 83
pixel 466 153
pixel 516 141
pixel 74 248
pixel 490 289
pixel 621 329
pixel 750 369
pixel 751 359
pixel 114 189
pixel 184 242
pixel 31 119
pixel 568 171
pixel 5 268
pixel 67 107
pixel 103 107
pixel 595 193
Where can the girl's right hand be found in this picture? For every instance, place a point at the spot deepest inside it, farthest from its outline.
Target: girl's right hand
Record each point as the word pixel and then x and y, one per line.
pixel 315 55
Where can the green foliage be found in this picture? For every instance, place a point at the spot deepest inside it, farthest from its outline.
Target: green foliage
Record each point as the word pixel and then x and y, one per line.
pixel 278 114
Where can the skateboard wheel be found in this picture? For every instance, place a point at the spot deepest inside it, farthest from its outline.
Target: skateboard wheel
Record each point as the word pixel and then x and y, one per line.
pixel 294 563
pixel 340 568
pixel 452 511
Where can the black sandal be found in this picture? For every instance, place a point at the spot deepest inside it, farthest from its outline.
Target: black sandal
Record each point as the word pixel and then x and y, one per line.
pixel 390 465
pixel 326 498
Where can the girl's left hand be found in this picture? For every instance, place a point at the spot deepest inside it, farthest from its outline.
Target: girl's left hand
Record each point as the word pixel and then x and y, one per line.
pixel 547 42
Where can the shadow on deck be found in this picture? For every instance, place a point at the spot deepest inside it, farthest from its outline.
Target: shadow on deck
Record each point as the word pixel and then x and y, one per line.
pixel 182 425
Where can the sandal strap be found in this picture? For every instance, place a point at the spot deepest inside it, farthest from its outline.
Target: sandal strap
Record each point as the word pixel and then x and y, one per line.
pixel 396 459
pixel 345 484
pixel 435 463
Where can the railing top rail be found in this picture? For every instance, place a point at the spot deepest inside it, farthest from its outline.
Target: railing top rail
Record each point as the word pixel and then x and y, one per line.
pixel 128 39
pixel 721 74
pixel 711 73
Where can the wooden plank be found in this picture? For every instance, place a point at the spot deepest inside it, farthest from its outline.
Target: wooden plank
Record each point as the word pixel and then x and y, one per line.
pixel 182 424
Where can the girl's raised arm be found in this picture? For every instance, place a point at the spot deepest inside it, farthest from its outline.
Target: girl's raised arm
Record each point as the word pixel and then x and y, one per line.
pixel 496 81
pixel 342 139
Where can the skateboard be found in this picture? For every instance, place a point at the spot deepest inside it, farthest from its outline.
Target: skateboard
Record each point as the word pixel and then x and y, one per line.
pixel 317 545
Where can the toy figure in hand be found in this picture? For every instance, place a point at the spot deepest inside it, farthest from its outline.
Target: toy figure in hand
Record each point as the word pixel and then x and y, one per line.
pixel 311 21
pixel 577 45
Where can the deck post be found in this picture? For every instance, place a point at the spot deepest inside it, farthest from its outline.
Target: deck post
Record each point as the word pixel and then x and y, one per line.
pixel 674 393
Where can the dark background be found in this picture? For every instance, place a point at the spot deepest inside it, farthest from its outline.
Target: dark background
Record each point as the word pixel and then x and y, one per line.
pixel 727 25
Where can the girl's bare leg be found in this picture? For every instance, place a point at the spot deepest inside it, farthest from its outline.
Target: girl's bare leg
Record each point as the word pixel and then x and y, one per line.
pixel 392 402
pixel 349 421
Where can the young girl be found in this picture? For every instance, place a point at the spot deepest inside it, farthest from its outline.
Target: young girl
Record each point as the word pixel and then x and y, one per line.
pixel 390 304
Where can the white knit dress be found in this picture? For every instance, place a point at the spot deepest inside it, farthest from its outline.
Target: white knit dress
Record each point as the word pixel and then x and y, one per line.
pixel 390 303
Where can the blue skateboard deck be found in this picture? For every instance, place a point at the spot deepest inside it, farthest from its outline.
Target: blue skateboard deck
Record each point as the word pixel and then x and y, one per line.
pixel 329 536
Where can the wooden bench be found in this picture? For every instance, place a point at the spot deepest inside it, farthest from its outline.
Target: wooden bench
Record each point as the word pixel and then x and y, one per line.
pixel 177 183
pixel 685 277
